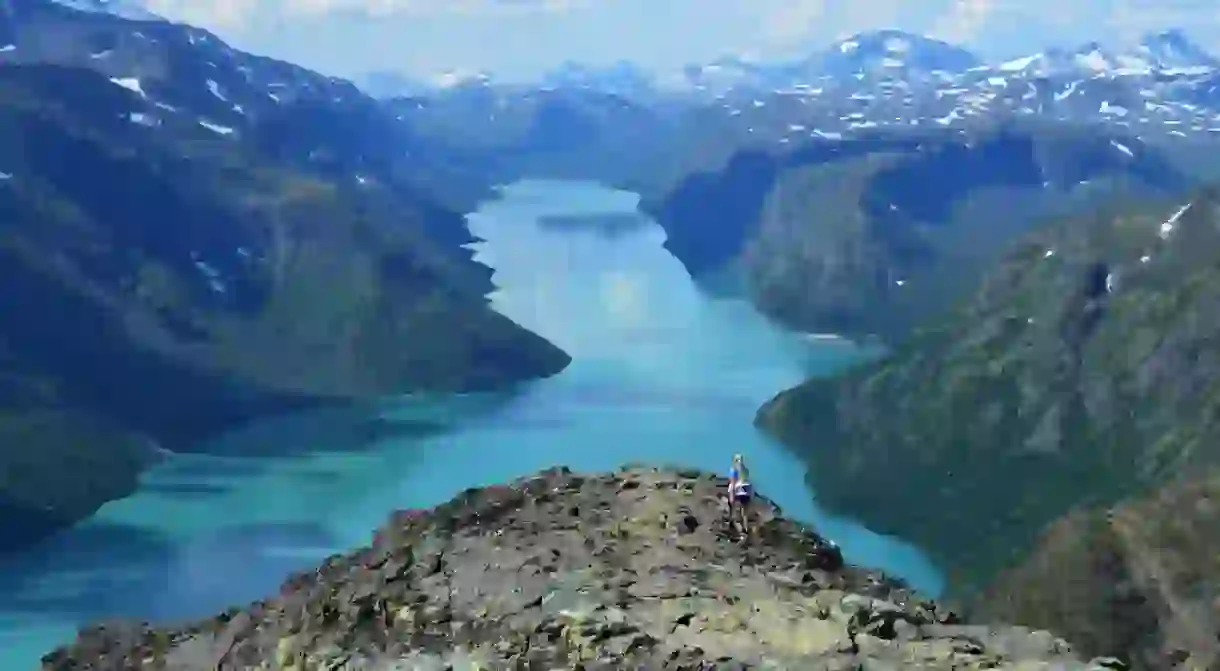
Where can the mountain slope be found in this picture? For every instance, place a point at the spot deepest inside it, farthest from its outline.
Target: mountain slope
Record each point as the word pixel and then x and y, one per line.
pixel 892 52
pixel 176 260
pixel 1139 581
pixel 565 132
pixel 189 76
pixel 873 234
pixel 1082 373
pixel 633 569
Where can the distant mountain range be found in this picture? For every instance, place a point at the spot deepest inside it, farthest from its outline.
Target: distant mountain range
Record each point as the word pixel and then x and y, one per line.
pixel 881 54
pixel 1165 85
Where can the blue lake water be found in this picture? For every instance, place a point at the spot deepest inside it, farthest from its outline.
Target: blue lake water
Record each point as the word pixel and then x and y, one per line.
pixel 662 374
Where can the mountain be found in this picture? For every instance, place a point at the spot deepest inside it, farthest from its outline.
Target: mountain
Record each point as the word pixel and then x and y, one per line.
pixel 1136 581
pixel 874 234
pixel 566 132
pixel 611 124
pixel 1080 375
pixel 892 52
pixel 1130 92
pixel 1168 52
pixel 384 84
pixel 633 569
pixel 1171 49
pixel 194 238
pixel 621 78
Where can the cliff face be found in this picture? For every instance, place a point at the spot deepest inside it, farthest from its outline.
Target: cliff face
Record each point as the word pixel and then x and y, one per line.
pixel 1082 373
pixel 873 235
pixel 627 570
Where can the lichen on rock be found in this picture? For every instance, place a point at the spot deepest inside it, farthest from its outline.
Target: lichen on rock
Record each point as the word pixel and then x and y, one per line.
pixel 625 570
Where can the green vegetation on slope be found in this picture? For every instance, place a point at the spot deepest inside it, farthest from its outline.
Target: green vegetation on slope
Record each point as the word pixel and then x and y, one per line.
pixel 873 235
pixel 1044 392
pixel 1140 581
pixel 170 281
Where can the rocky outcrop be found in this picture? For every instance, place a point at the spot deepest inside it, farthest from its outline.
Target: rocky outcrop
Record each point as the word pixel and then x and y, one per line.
pixel 1082 374
pixel 633 569
pixel 874 234
pixel 1139 581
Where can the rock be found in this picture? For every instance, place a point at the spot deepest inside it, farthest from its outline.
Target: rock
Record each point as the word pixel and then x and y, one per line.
pixel 825 636
pixel 561 571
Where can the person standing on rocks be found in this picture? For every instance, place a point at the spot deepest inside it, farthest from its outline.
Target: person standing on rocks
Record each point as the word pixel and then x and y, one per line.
pixel 739 493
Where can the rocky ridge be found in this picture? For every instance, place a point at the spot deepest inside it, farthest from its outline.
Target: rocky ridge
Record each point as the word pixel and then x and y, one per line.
pixel 633 569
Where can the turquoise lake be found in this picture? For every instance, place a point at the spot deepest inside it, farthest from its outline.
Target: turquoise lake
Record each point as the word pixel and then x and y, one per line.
pixel 663 374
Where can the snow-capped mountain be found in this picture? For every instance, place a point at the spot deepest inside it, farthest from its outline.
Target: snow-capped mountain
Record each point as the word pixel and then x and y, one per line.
pixel 1164 88
pixel 183 80
pixel 1171 49
pixel 1089 59
pixel 1164 85
pixel 1164 53
pixel 872 55
pixel 892 52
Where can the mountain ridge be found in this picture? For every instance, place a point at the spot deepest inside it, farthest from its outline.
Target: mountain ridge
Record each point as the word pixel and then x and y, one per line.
pixel 885 53
pixel 188 248
pixel 849 237
pixel 631 569
pixel 1076 384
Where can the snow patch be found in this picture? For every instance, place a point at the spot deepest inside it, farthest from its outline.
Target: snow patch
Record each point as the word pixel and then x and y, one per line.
pixel 1168 226
pixel 897 45
pixel 220 130
pixel 215 89
pixel 1019 64
pixel 131 84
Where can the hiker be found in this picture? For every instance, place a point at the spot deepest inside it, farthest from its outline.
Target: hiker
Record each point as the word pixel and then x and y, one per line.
pixel 740 491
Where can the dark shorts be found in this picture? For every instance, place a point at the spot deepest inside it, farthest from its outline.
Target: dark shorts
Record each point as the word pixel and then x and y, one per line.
pixel 743 497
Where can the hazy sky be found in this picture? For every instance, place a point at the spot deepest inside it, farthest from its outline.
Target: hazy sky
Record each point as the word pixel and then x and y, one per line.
pixel 520 38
